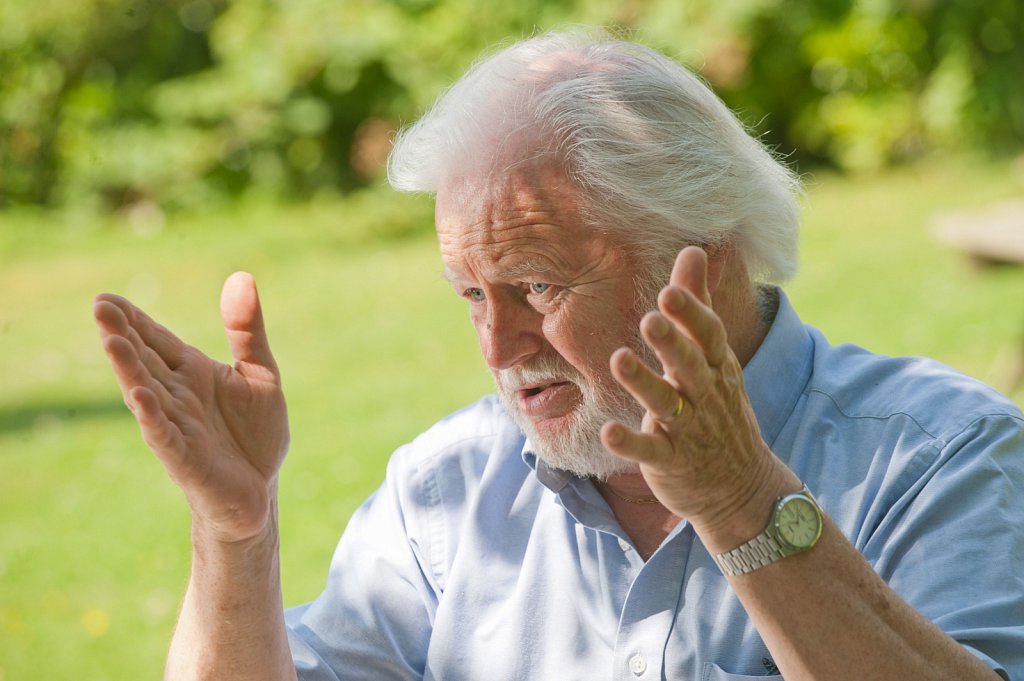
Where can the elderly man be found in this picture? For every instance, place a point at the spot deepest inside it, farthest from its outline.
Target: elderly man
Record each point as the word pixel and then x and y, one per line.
pixel 674 482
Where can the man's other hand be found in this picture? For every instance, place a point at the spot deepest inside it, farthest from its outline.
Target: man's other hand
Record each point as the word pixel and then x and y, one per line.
pixel 221 431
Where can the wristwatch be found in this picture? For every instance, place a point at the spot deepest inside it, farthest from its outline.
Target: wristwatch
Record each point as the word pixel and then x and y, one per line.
pixel 795 527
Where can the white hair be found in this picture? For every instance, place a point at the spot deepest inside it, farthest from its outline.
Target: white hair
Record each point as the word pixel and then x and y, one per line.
pixel 655 152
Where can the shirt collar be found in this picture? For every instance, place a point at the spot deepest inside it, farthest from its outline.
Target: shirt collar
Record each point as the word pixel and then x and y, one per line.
pixel 578 496
pixel 554 479
pixel 775 377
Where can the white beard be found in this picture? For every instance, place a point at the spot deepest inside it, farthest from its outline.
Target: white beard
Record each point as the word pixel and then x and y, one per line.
pixel 577 448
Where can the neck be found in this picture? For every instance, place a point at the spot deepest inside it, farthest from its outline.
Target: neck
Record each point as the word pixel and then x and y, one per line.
pixel 629 488
pixel 736 303
pixel 646 524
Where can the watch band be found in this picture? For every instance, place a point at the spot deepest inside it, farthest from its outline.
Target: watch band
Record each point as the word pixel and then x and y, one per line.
pixel 760 551
pixel 764 549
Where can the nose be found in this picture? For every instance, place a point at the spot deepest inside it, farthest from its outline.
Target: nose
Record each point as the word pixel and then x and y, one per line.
pixel 510 332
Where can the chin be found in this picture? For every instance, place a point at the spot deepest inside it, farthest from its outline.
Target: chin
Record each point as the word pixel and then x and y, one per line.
pixel 569 445
pixel 600 465
pixel 572 442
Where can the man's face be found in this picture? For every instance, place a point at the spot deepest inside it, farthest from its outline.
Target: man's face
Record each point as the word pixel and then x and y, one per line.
pixel 550 299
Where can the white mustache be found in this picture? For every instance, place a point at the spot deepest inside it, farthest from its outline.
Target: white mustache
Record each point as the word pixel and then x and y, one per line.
pixel 539 372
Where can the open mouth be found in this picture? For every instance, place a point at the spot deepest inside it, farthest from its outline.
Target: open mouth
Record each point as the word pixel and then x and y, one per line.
pixel 543 400
pixel 533 390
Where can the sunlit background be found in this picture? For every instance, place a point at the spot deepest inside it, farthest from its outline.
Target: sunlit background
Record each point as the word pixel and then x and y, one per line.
pixel 153 147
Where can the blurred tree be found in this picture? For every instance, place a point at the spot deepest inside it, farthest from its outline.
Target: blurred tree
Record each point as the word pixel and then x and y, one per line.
pixel 864 83
pixel 178 103
pixel 75 76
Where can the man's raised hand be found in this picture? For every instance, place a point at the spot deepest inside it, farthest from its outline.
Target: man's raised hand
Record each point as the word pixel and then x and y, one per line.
pixel 221 431
pixel 699 447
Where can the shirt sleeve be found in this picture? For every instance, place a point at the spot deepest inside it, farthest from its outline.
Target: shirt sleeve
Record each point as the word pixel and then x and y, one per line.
pixel 374 618
pixel 952 543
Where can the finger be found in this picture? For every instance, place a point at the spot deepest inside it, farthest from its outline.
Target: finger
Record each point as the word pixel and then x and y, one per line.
pixel 682 361
pixel 131 373
pixel 243 322
pixel 124 361
pixel 690 272
pixel 147 400
pixel 159 432
pixel 653 392
pixel 698 321
pixel 168 347
pixel 638 447
pixel 112 322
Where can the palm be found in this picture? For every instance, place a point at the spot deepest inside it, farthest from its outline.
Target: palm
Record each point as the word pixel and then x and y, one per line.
pixel 249 412
pixel 220 431
pixel 234 433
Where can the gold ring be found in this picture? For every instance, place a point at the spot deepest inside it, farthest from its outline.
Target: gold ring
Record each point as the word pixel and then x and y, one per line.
pixel 679 408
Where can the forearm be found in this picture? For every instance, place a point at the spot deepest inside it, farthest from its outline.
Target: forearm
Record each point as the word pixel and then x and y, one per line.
pixel 232 620
pixel 826 614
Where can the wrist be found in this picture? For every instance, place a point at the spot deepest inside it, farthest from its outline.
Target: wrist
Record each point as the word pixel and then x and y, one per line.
pixel 226 574
pixel 209 537
pixel 236 517
pixel 749 509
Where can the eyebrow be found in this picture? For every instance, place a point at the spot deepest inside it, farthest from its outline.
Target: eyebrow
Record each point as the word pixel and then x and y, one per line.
pixel 526 267
pixel 518 270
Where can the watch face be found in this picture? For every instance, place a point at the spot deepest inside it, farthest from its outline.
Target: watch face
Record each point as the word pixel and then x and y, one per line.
pixel 798 522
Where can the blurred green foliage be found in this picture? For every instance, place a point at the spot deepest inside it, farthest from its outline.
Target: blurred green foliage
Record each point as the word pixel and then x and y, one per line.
pixel 162 104
pixel 865 83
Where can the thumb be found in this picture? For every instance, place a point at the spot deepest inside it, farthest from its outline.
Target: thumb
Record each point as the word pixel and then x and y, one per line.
pixel 243 322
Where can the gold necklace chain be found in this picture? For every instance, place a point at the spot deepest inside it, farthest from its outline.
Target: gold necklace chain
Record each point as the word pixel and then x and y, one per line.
pixel 639 501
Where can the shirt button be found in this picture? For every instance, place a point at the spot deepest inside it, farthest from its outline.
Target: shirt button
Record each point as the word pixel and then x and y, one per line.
pixel 624 545
pixel 637 665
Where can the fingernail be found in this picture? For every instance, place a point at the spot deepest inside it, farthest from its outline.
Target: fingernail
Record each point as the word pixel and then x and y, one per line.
pixel 628 365
pixel 614 435
pixel 674 299
pixel 658 328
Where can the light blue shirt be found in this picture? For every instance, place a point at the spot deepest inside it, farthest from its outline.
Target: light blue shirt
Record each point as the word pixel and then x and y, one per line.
pixel 475 561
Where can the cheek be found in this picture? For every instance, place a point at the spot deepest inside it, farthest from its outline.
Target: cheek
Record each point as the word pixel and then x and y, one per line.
pixel 479 321
pixel 587 341
pixel 477 318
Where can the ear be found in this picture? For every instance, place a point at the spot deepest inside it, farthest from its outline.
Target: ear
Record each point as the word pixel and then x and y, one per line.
pixel 718 259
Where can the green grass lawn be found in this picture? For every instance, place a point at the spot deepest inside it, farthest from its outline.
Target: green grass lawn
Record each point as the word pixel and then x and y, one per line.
pixel 373 347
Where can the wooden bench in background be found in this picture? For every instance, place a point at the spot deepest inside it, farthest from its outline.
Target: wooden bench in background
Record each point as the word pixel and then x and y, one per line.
pixel 993 235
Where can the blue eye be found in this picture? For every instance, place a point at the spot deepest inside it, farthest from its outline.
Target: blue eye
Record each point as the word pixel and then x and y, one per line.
pixel 539 287
pixel 474 294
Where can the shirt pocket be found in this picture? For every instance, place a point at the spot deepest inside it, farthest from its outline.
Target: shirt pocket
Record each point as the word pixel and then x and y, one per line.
pixel 712 672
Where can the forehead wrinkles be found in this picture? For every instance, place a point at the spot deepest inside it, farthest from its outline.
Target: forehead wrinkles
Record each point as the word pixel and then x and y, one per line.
pixel 530 209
